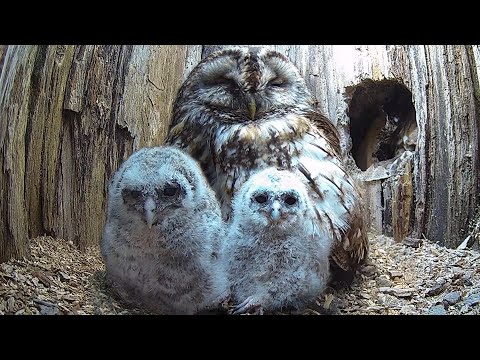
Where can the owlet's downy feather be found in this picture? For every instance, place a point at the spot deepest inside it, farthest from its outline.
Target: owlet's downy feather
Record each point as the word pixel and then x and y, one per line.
pixel 245 109
pixel 162 236
pixel 276 251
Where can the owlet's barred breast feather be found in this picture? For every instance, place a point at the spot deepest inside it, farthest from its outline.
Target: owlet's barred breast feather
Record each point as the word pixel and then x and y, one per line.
pixel 245 109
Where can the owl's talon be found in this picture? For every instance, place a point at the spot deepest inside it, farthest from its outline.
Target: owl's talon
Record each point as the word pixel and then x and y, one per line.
pixel 223 299
pixel 248 304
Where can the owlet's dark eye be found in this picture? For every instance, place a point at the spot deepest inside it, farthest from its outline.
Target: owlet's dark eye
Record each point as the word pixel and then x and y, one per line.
pixel 290 200
pixel 132 197
pixel 170 191
pixel 135 194
pixel 260 199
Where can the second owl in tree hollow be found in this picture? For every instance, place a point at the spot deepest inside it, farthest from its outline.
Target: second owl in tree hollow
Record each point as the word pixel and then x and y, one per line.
pixel 245 109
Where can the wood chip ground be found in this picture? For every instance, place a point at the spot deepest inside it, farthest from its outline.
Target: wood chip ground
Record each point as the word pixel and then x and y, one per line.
pixel 399 278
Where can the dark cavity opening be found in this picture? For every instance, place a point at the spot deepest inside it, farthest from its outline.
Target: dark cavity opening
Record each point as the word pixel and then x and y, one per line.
pixel 382 121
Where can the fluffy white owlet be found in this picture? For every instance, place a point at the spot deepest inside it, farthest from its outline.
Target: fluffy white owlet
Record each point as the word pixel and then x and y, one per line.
pixel 161 239
pixel 244 109
pixel 277 252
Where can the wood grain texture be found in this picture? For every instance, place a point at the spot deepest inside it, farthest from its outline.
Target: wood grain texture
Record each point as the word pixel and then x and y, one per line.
pixel 402 196
pixel 119 102
pixel 44 134
pixel 3 52
pixel 15 92
pixel 451 149
pixel 70 114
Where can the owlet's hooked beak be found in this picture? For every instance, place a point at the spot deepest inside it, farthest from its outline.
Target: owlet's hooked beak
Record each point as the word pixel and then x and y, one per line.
pixel 150 213
pixel 275 214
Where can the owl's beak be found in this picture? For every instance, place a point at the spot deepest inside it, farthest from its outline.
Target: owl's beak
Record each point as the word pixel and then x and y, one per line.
pixel 252 106
pixel 150 213
pixel 275 214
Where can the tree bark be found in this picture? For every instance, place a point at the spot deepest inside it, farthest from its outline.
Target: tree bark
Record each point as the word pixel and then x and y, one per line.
pixel 3 52
pixel 15 92
pixel 69 115
pixel 444 81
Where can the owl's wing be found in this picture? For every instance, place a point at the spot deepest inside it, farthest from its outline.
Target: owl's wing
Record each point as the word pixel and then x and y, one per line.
pixel 337 201
pixel 353 247
pixel 178 114
pixel 186 95
pixel 196 140
pixel 326 130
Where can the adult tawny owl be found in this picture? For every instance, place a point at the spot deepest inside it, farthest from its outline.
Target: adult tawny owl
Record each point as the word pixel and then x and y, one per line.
pixel 276 250
pixel 244 109
pixel 161 238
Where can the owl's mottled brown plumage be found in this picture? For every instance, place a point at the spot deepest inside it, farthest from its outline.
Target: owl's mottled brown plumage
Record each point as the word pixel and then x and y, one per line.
pixel 245 109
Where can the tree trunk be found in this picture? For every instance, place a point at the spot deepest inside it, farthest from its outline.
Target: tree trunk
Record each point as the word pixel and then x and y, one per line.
pixel 3 52
pixel 444 85
pixel 15 91
pixel 69 115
